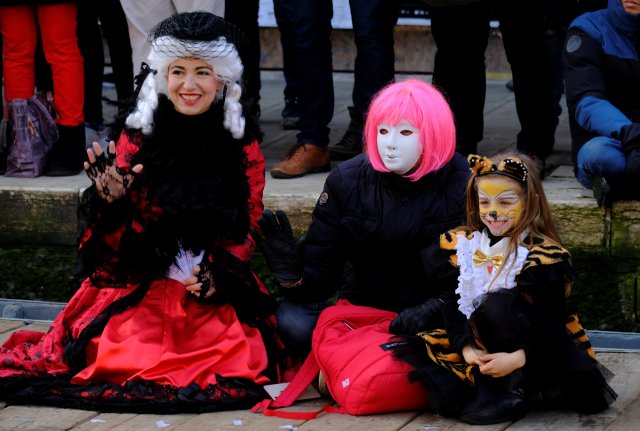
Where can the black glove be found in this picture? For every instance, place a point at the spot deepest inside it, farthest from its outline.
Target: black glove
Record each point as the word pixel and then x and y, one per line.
pixel 418 318
pixel 630 137
pixel 283 253
pixel 228 280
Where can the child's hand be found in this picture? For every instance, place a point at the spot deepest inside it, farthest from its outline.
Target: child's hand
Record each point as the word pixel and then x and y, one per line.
pixel 473 356
pixel 502 364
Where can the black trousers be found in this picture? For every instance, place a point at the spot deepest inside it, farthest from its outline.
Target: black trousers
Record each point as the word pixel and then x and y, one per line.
pixel 244 14
pixel 113 26
pixel 461 35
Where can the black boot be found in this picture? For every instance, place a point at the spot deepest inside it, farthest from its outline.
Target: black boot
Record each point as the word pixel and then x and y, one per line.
pixel 68 152
pixel 631 177
pixel 624 189
pixel 495 401
pixel 602 191
pixel 448 394
pixel 290 114
pixel 351 143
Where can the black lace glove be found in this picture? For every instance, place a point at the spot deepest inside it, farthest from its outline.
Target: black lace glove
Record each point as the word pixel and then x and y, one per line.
pixel 283 253
pixel 110 181
pixel 418 318
pixel 225 279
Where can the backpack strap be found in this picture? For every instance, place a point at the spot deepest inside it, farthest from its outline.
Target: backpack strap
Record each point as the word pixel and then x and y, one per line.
pixel 303 378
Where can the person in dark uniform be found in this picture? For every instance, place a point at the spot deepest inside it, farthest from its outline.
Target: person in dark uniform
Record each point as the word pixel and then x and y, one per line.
pixel 459 70
pixel 603 97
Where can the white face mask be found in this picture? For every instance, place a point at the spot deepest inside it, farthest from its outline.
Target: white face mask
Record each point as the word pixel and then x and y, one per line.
pixel 399 146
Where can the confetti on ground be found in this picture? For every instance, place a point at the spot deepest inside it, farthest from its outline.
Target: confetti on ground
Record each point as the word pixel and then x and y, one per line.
pixel 162 424
pixel 237 422
pixel 98 421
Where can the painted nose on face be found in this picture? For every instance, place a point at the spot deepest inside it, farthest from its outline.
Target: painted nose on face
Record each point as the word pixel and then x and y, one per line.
pixel 493 215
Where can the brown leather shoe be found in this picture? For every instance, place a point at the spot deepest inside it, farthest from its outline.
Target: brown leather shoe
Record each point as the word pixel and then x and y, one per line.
pixel 302 159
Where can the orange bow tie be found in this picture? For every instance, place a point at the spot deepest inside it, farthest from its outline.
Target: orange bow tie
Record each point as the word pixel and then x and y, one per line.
pixel 479 258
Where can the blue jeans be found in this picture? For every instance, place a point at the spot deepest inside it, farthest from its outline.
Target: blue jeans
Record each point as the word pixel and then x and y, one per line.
pixel 296 323
pixel 601 156
pixel 305 27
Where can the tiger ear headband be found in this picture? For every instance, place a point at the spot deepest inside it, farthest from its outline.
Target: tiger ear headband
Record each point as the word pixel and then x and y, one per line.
pixel 511 167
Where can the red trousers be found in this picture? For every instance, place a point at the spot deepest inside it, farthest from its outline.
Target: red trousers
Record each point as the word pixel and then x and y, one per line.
pixel 18 25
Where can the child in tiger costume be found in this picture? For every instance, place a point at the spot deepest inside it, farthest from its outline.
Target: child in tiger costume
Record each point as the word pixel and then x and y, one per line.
pixel 507 342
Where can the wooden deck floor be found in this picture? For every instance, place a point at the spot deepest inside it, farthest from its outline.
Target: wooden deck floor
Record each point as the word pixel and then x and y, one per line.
pixel 624 414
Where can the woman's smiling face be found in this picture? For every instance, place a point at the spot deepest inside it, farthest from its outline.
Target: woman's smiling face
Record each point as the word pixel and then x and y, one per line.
pixel 192 85
pixel 500 202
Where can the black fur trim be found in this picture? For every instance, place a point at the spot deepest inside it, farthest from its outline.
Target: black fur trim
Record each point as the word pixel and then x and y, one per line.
pixel 133 397
pixel 194 177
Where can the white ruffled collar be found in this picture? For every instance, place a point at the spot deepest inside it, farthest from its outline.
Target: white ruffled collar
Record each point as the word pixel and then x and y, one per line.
pixel 475 281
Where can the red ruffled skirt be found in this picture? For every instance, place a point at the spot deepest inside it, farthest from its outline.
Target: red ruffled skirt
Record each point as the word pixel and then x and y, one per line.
pixel 168 339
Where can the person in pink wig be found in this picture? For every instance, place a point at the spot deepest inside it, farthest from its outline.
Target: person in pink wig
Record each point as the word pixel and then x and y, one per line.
pixel 377 211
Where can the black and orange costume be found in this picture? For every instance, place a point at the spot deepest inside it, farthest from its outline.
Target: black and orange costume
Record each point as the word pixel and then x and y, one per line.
pixel 132 339
pixel 523 307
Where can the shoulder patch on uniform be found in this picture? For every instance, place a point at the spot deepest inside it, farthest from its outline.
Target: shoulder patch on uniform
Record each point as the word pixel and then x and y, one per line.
pixel 324 197
pixel 573 43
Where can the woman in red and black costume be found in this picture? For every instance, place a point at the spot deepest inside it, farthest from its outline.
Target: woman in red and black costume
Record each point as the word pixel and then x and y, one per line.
pixel 170 318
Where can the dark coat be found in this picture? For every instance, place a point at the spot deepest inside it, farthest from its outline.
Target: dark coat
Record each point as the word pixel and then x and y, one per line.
pixel 602 74
pixel 375 224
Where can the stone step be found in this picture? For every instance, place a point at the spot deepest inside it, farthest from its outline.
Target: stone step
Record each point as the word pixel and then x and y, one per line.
pixel 42 211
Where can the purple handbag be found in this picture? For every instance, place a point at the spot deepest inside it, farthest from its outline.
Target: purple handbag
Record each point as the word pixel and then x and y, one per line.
pixel 32 133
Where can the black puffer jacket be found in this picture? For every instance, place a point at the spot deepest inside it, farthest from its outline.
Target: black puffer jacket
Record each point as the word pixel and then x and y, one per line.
pixel 375 225
pixel 602 74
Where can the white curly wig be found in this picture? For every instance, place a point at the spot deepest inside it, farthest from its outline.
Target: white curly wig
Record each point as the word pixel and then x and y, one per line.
pixel 201 35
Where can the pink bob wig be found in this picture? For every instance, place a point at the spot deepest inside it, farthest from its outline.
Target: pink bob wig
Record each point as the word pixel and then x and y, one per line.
pixel 427 110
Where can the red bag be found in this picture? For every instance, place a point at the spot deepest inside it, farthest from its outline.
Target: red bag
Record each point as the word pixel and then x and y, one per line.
pixel 352 347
